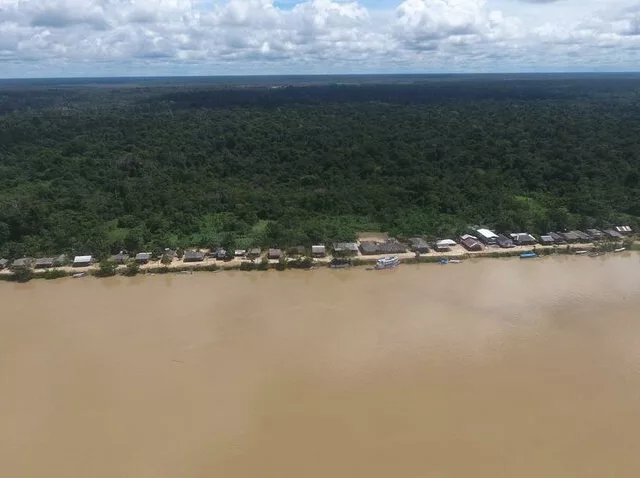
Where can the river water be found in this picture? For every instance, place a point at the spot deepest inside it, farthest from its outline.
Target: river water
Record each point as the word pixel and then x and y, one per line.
pixel 487 369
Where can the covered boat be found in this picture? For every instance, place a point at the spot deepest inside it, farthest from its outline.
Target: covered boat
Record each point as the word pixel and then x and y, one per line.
pixel 387 263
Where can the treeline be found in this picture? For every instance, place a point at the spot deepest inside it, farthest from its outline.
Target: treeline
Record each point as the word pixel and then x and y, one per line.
pixel 98 170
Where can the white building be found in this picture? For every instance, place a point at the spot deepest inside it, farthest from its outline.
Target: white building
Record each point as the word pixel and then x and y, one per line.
pixel 82 261
pixel 487 236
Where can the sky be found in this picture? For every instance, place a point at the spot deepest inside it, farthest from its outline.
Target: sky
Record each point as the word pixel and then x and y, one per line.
pixel 91 38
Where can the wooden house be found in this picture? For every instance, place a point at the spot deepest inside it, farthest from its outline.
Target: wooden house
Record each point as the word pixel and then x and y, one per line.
pixel 470 243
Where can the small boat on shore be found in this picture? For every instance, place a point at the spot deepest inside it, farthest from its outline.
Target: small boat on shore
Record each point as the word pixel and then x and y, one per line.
pixel 528 255
pixel 620 249
pixel 387 263
pixel 78 275
pixel 580 253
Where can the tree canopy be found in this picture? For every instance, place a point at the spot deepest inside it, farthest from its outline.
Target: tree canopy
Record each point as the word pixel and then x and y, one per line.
pixel 102 169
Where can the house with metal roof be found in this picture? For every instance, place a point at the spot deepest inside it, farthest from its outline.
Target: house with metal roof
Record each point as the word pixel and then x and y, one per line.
pixel 613 234
pixel 570 236
pixel 471 243
pixel 419 245
pixel 595 234
pixel 119 258
pixel 345 248
pixel 547 240
pixel 193 256
pixel 44 263
pixel 584 237
pixel 624 229
pixel 319 250
pixel 3 263
pixel 557 238
pixel 143 257
pixel 486 236
pixel 444 245
pixel 22 263
pixel 60 261
pixel 504 241
pixel 82 261
pixel 254 252
pixel 274 253
pixel 523 239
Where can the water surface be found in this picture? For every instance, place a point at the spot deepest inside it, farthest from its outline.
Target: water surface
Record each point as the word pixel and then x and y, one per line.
pixel 486 369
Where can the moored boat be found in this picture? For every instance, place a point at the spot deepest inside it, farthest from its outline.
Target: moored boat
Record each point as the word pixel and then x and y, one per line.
pixel 79 275
pixel 528 255
pixel 581 252
pixel 387 263
pixel 620 249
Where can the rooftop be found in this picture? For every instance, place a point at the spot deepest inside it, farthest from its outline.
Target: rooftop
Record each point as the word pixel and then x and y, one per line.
pixel 486 233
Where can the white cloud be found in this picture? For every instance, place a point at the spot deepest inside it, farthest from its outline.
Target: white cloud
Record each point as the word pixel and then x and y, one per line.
pixel 259 36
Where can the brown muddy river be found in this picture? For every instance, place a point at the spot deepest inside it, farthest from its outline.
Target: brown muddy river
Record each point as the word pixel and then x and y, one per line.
pixel 496 368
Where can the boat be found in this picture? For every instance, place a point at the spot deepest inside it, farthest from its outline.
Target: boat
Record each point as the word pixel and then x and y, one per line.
pixel 595 254
pixel 528 255
pixel 449 261
pixel 387 263
pixel 581 252
pixel 620 249
pixel 78 275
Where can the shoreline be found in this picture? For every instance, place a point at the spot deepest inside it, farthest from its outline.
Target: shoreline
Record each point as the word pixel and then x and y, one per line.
pixel 213 265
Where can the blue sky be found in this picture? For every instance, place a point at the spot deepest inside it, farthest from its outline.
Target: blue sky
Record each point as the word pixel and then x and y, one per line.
pixel 58 38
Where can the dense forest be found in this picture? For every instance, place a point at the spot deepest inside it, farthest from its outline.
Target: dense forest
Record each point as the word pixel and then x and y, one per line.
pixel 88 169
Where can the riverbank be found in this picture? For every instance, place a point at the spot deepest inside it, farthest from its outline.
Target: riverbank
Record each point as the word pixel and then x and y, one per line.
pixel 457 252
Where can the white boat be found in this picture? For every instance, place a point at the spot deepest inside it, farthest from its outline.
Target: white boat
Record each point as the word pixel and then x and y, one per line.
pixel 387 263
pixel 78 275
pixel 620 249
pixel 581 252
pixel 455 261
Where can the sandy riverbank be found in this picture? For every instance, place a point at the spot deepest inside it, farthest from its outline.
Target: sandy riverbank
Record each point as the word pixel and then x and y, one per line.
pixel 456 252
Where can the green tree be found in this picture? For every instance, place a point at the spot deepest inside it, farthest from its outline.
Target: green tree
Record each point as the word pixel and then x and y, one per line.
pixel 106 269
